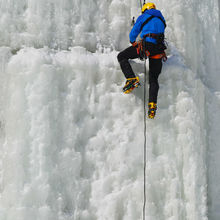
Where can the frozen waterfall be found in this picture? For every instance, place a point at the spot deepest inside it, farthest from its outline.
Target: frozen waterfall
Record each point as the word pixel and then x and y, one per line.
pixel 71 143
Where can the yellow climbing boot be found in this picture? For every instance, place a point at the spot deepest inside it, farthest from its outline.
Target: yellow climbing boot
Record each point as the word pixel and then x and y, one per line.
pixel 152 107
pixel 131 84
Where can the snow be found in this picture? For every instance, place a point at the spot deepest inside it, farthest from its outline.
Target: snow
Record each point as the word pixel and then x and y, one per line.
pixel 71 143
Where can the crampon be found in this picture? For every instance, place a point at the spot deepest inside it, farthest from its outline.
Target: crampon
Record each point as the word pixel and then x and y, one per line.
pixel 152 107
pixel 131 84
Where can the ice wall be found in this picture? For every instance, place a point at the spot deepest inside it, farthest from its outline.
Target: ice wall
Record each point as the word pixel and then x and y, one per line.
pixel 72 143
pixel 61 24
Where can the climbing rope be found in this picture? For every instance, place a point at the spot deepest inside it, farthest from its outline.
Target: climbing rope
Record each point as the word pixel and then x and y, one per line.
pixel 145 129
pixel 145 138
pixel 141 3
pixel 145 126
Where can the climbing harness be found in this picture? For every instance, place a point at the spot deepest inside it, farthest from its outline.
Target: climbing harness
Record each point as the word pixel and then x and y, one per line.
pixel 143 53
pixel 162 56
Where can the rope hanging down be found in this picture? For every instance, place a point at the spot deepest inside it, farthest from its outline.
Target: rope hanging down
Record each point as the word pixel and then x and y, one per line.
pixel 141 3
pixel 145 127
pixel 145 130
pixel 145 138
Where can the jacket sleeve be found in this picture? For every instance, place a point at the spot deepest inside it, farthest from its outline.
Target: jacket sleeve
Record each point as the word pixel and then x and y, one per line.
pixel 135 31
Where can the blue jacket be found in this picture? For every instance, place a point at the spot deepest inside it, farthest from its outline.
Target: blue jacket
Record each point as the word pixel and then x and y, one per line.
pixel 155 25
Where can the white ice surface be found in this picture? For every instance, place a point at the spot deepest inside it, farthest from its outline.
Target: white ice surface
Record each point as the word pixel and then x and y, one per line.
pixel 71 143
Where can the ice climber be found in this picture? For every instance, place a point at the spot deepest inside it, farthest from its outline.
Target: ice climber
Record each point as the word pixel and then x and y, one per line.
pixel 150 25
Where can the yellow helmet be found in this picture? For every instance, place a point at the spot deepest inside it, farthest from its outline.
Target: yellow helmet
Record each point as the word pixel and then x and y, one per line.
pixel 148 6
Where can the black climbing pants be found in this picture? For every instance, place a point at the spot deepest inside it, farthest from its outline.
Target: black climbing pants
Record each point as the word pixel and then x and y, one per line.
pixel 155 66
